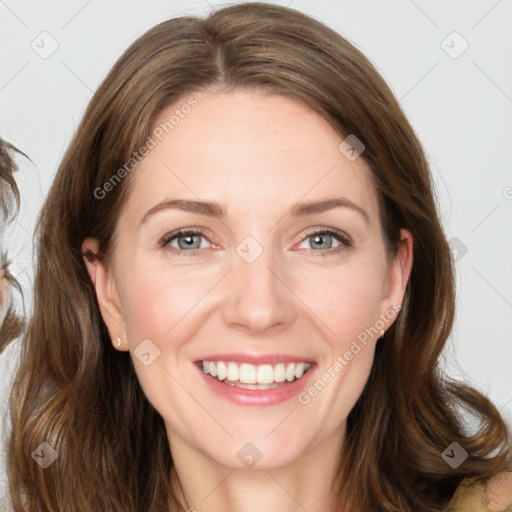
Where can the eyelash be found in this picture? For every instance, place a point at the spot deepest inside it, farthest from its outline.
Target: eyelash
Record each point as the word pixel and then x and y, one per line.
pixel 181 252
pixel 340 236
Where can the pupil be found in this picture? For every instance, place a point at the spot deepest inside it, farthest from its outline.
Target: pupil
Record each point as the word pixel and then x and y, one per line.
pixel 320 237
pixel 189 240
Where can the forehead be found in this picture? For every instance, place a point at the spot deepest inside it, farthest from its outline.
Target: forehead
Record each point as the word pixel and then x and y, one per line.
pixel 246 147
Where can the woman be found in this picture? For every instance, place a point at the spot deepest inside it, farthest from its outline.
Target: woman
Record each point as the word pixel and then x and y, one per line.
pixel 10 324
pixel 243 290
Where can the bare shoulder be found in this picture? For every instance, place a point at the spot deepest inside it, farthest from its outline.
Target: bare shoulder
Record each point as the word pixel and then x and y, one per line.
pixel 499 492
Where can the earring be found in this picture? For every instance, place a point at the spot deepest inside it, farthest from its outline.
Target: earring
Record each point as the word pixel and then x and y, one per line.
pixel 118 342
pixel 382 333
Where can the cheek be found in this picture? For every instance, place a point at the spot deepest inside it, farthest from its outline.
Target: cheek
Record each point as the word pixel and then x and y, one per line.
pixel 156 299
pixel 347 302
pixel 346 299
pixel 157 304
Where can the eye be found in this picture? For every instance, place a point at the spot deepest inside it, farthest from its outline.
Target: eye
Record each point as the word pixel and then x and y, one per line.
pixel 323 241
pixel 184 242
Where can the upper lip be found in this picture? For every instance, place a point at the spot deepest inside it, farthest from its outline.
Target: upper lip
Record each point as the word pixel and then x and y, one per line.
pixel 257 359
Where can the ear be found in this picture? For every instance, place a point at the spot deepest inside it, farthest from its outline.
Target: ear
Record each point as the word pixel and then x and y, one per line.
pixel 398 276
pixel 103 280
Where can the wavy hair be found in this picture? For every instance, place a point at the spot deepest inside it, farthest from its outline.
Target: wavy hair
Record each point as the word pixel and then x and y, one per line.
pixel 12 325
pixel 76 392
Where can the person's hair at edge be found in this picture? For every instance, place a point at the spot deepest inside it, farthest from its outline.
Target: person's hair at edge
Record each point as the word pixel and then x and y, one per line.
pixel 12 325
pixel 75 391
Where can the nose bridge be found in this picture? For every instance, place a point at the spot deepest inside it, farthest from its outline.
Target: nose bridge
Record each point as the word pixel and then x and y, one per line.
pixel 258 300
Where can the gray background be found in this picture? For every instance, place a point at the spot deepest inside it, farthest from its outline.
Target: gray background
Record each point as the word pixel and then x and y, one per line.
pixel 458 100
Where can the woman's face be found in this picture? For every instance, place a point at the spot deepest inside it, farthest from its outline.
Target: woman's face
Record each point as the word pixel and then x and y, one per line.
pixel 286 264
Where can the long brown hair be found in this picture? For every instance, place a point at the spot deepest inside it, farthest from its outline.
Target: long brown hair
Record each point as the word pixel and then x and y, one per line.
pixel 78 394
pixel 9 203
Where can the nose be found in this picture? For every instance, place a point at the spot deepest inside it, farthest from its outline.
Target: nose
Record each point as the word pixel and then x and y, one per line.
pixel 258 299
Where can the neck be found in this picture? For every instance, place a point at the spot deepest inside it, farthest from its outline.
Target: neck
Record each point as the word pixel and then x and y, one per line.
pixel 203 485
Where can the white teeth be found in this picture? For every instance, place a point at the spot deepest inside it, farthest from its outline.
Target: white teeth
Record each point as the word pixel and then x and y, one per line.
pixel 252 376
pixel 233 373
pixel 299 370
pixel 248 373
pixel 221 370
pixel 279 372
pixel 265 374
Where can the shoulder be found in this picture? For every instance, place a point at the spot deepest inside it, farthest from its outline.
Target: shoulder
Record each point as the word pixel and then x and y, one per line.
pixel 475 495
pixel 499 491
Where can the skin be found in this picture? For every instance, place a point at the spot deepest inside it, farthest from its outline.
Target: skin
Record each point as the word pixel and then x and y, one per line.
pixel 499 491
pixel 4 295
pixel 4 288
pixel 257 155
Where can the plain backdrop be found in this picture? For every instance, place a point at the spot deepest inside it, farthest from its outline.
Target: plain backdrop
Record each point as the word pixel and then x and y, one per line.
pixel 445 61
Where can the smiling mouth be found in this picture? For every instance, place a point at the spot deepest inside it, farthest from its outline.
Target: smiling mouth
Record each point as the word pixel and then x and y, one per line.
pixel 249 376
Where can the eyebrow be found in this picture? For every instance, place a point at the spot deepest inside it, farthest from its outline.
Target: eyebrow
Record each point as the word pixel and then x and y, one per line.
pixel 327 204
pixel 200 207
pixel 216 210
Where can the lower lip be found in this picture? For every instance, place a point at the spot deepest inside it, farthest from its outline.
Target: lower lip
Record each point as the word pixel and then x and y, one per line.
pixel 241 396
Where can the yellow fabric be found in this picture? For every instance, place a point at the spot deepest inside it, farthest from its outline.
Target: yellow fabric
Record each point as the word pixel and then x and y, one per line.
pixel 471 496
